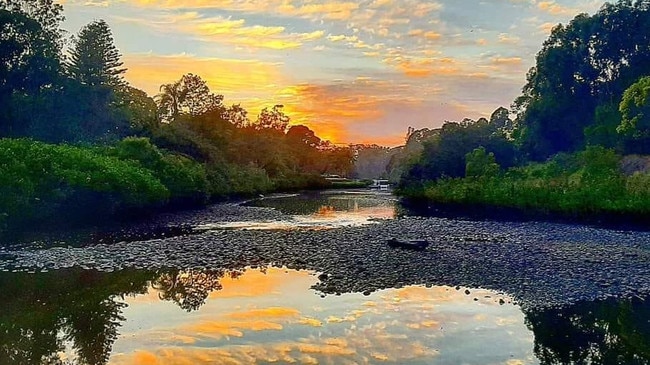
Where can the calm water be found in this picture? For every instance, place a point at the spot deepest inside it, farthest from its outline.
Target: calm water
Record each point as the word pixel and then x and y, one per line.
pixel 272 315
pixel 321 210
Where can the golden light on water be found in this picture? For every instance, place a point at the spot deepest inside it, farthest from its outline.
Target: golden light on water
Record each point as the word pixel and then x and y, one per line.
pixel 270 315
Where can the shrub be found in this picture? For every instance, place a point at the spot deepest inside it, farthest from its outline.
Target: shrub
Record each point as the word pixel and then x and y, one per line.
pixel 38 179
pixel 184 178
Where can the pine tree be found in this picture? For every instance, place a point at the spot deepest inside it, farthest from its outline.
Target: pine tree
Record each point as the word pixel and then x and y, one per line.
pixel 96 69
pixel 94 60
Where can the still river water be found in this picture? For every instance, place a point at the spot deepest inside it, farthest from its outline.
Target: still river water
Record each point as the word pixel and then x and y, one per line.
pixel 272 315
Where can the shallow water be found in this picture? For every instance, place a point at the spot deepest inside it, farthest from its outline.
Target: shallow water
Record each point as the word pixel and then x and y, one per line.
pixel 255 316
pixel 321 210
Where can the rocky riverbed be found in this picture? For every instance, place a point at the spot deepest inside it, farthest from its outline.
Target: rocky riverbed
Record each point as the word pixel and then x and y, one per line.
pixel 539 264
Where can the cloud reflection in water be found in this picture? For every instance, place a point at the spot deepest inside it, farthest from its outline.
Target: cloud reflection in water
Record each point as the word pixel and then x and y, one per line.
pixel 272 316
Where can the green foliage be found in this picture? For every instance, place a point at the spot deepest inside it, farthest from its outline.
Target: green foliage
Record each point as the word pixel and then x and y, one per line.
pixel 249 180
pixel 581 67
pixel 479 163
pixel 202 150
pixel 30 62
pixel 184 178
pixel 588 182
pixel 139 109
pixel 38 178
pixel 603 131
pixel 444 152
pixel 635 109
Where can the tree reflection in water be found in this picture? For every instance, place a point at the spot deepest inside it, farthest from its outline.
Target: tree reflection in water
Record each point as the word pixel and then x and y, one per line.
pixel 45 314
pixel 79 312
pixel 604 332
pixel 190 288
pixel 42 313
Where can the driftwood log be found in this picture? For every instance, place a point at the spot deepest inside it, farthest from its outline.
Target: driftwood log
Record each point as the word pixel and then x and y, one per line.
pixel 416 245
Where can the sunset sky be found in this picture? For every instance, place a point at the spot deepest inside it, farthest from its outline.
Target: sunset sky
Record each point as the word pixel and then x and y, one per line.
pixel 353 71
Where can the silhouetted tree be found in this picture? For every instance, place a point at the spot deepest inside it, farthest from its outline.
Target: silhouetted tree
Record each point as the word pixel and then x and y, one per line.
pixel 236 115
pixel 600 333
pixel 94 59
pixel 188 289
pixel 96 68
pixel 30 63
pixel 188 96
pixel 272 119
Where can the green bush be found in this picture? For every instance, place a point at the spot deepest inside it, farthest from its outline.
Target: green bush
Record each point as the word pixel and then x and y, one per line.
pixel 185 178
pixel 588 182
pixel 38 179
pixel 479 163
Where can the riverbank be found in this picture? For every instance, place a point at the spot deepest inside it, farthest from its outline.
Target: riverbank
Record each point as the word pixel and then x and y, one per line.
pixel 55 186
pixel 588 187
pixel 541 264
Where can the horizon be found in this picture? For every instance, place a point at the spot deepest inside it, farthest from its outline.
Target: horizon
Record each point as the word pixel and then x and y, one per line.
pixel 353 72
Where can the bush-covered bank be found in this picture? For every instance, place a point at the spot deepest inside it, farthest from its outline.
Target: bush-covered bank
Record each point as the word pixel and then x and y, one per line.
pixel 106 147
pixel 581 185
pixel 48 183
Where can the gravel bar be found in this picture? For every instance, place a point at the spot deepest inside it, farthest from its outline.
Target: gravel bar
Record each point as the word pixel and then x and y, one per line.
pixel 539 264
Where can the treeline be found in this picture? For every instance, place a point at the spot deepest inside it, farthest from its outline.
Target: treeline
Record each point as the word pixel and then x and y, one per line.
pixel 586 104
pixel 77 138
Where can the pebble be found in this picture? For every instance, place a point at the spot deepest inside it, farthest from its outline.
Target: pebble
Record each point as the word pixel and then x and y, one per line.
pixel 539 264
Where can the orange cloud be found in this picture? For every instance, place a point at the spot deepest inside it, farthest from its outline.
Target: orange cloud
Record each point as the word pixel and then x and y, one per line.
pixel 145 358
pixel 313 322
pixel 233 329
pixel 508 39
pixel 329 10
pixel 326 110
pixel 273 312
pixel 429 35
pixel 419 68
pixel 547 27
pixel 235 33
pixel 231 77
pixel 554 8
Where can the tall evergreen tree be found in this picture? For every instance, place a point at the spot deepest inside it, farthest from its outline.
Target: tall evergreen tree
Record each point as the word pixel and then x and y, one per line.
pixel 95 60
pixel 96 69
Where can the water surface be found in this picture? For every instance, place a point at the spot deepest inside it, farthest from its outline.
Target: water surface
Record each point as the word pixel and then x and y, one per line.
pixel 252 316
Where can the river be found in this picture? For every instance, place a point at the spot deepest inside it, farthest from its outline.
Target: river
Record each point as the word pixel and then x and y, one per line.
pixel 309 279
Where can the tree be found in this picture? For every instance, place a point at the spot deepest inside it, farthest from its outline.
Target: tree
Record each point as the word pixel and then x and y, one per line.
pixel 169 101
pixel 139 108
pixel 236 115
pixel 47 13
pixel 303 147
pixel 96 70
pixel 635 109
pixel 500 121
pixel 30 62
pixel 303 136
pixel 479 163
pixel 273 119
pixel 94 59
pixel 583 65
pixel 197 96
pixel 188 96
pixel 444 153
